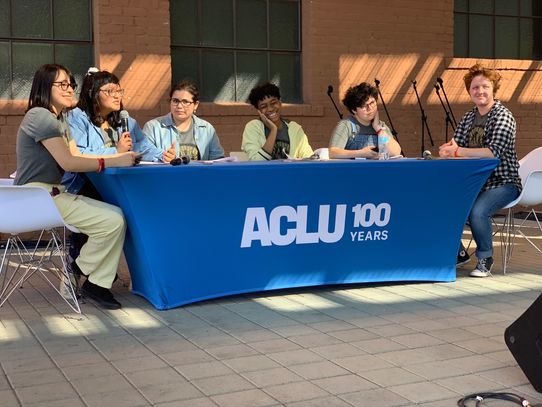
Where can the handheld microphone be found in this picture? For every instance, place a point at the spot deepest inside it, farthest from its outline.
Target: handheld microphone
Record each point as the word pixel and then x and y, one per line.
pixel 427 155
pixel 124 121
pixel 329 90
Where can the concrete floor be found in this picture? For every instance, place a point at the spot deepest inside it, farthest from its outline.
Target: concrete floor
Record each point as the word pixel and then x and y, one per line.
pixel 417 344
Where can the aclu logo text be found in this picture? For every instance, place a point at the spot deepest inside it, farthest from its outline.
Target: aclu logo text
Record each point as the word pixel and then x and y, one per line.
pixel 286 225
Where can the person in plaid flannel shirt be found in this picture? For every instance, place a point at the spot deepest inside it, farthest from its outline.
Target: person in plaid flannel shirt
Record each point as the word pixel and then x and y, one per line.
pixel 486 131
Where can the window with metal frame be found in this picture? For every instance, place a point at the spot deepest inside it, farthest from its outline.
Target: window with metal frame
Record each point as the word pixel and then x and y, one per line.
pixel 37 32
pixel 502 29
pixel 229 46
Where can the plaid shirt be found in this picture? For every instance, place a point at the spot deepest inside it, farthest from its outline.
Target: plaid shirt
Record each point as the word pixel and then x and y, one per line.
pixel 500 138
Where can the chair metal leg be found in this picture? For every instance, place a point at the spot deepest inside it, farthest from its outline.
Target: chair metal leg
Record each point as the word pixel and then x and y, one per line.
pixel 45 264
pixel 507 238
pixel 527 237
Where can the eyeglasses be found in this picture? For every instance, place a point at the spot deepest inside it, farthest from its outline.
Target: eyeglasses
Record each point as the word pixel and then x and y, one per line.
pixel 369 105
pixel 64 85
pixel 113 92
pixel 182 102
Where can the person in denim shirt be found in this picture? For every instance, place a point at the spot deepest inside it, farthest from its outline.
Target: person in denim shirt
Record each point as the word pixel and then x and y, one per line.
pixel 357 136
pixel 180 133
pixel 95 126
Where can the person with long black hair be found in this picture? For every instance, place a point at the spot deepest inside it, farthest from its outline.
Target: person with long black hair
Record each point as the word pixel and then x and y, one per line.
pixel 45 149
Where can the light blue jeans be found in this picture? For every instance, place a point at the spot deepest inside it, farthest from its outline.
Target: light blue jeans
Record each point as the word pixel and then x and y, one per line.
pixel 485 206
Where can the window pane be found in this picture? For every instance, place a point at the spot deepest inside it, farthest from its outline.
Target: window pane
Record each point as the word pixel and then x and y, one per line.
pixel 5 73
pixel 526 38
pixel 76 57
pixel 4 18
pixel 284 25
pixel 31 19
pixel 506 37
pixel 285 73
pixel 460 5
pixel 66 13
pixel 27 58
pixel 481 36
pixel 251 71
pixel 481 6
pixel 184 64
pixel 253 35
pixel 460 35
pixel 533 36
pixel 218 80
pixel 507 7
pixel 184 31
pixel 217 23
pixel 526 7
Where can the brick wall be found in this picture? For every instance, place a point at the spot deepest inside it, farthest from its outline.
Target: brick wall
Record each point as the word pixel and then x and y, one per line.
pixel 344 42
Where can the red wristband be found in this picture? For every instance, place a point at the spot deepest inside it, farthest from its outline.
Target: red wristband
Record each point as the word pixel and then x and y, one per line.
pixel 379 130
pixel 101 164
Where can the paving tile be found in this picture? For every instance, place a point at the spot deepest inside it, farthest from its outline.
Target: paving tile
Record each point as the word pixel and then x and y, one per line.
pixel 204 369
pixel 117 398
pixel 417 340
pixel 476 363
pixel 275 345
pixel 270 377
pixel 358 364
pixel 321 402
pixel 373 398
pixel 353 335
pixel 27 364
pixel 137 364
pixel 8 398
pixel 247 398
pixel 422 392
pixel 318 370
pixel 251 363
pixel 469 384
pixel 83 372
pixel 199 402
pixel 391 376
pixel 438 369
pixel 211 386
pixel 508 376
pixel 187 357
pixel 170 391
pixel 313 340
pixel 71 402
pixel 36 377
pixel 390 330
pixel 231 351
pixel 340 350
pixel 295 357
pixel 481 345
pixel 43 393
pixel 155 376
pixel 298 391
pixel 344 384
pixel 378 345
pixel 102 384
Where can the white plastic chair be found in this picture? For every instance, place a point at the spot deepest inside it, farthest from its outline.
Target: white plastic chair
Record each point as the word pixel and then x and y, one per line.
pixel 28 209
pixel 530 171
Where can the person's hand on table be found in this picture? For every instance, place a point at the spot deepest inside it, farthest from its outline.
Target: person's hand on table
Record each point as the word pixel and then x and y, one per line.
pixel 448 150
pixel 170 154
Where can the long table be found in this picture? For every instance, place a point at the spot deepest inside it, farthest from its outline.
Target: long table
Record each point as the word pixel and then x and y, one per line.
pixel 202 231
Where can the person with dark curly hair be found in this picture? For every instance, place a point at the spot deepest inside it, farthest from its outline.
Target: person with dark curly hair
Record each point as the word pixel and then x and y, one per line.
pixel 271 136
pixel 96 126
pixel 486 131
pixel 357 136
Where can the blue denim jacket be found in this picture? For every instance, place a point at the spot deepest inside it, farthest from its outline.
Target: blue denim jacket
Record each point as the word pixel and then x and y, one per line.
pixel 162 132
pixel 88 138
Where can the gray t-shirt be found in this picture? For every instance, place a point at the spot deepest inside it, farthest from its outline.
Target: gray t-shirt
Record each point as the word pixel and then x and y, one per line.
pixel 34 162
pixel 187 143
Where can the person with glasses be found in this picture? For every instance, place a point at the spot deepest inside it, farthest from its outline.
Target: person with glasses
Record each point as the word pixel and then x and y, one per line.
pixel 271 136
pixel 45 149
pixel 357 136
pixel 181 133
pixel 96 126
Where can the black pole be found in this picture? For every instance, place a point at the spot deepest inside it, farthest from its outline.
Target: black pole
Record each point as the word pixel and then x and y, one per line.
pixel 329 92
pixel 393 132
pixel 423 119
pixel 441 83
pixel 446 112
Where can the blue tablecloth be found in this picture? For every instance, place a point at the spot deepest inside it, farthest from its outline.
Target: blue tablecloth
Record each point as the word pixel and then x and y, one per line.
pixel 202 231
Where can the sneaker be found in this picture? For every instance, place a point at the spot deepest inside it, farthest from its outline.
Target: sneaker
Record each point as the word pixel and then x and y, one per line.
pixel 101 295
pixel 483 268
pixel 462 257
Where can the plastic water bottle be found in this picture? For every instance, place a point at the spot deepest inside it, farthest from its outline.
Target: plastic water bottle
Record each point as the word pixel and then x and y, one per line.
pixel 383 140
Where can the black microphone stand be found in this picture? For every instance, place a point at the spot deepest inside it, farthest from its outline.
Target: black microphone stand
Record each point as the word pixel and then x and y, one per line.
pixel 446 112
pixel 441 83
pixel 329 92
pixel 393 131
pixel 423 118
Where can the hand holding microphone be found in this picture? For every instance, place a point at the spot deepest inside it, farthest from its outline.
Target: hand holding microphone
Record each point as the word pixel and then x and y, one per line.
pixel 170 153
pixel 125 141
